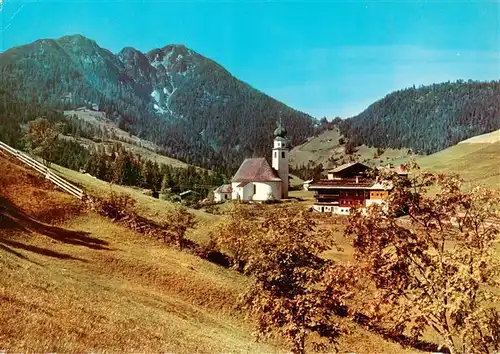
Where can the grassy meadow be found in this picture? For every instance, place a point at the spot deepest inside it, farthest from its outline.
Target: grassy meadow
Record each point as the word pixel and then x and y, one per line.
pixel 476 160
pixel 77 282
pixel 326 146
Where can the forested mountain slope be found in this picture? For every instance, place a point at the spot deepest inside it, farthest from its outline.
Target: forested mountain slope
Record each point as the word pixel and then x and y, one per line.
pixel 176 98
pixel 429 118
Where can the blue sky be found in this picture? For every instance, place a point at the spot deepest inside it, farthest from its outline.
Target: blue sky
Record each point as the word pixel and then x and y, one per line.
pixel 326 58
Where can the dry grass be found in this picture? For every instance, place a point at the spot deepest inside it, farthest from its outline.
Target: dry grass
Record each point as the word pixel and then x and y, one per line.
pixel 33 194
pixel 146 206
pixel 104 288
pixel 87 284
pixel 135 295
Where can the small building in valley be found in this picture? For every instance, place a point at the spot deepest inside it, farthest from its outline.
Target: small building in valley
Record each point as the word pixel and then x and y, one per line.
pixel 350 187
pixel 223 193
pixel 256 180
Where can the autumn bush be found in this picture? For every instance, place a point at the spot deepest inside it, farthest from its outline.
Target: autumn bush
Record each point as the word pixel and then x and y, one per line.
pixel 175 223
pixel 42 137
pixel 120 208
pixel 116 206
pixel 295 292
pixel 435 268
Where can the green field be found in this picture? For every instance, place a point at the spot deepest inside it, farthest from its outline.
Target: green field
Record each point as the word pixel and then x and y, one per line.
pixel 326 147
pixel 476 160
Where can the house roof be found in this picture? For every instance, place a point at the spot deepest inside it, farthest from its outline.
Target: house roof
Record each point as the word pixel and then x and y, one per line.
pixel 344 166
pixel 225 188
pixel 256 170
pixel 363 183
pixel 350 183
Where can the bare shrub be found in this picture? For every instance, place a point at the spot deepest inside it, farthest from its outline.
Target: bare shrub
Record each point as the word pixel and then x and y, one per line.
pixel 117 206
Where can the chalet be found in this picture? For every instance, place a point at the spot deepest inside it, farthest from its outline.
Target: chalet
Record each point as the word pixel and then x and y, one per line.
pixel 350 187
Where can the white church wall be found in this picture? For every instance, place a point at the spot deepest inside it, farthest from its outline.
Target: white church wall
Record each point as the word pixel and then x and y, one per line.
pixel 242 193
pixel 280 164
pixel 266 191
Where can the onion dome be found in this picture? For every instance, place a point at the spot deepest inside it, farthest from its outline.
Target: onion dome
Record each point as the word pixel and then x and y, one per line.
pixel 280 131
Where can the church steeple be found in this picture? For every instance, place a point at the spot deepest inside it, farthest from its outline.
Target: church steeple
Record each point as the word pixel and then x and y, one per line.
pixel 280 156
pixel 280 131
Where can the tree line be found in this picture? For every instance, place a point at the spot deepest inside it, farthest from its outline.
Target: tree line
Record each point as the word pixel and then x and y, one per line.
pixel 115 164
pixel 55 138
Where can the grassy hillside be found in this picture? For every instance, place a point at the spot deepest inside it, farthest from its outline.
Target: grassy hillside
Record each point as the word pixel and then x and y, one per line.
pixel 93 285
pixel 477 160
pixel 329 150
pixel 136 145
pixel 146 206
pixel 79 283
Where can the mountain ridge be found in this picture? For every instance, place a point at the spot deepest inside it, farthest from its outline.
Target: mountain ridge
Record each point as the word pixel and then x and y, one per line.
pixel 429 118
pixel 171 95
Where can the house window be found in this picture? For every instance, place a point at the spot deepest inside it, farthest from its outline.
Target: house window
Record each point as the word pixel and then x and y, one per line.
pixel 282 154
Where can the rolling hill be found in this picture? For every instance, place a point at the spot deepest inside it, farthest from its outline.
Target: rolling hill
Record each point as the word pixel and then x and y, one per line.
pixel 187 104
pixel 476 160
pixel 329 149
pixel 74 281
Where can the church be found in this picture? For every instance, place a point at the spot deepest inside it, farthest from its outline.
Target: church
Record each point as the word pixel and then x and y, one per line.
pixel 256 180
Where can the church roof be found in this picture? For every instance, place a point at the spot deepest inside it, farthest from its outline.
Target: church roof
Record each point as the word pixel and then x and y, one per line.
pixel 256 170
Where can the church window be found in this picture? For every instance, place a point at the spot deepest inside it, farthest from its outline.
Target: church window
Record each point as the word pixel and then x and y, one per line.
pixel 254 189
pixel 282 154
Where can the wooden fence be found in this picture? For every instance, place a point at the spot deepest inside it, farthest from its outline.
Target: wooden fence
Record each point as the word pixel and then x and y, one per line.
pixel 44 170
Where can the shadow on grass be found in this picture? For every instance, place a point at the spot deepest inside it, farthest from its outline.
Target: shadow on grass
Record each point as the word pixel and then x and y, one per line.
pixel 43 251
pixel 13 219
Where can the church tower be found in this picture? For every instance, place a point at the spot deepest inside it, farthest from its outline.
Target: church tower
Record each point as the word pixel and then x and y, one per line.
pixel 280 157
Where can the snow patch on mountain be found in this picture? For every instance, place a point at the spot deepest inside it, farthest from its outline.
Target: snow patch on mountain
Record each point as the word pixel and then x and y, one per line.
pixel 159 109
pixel 163 97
